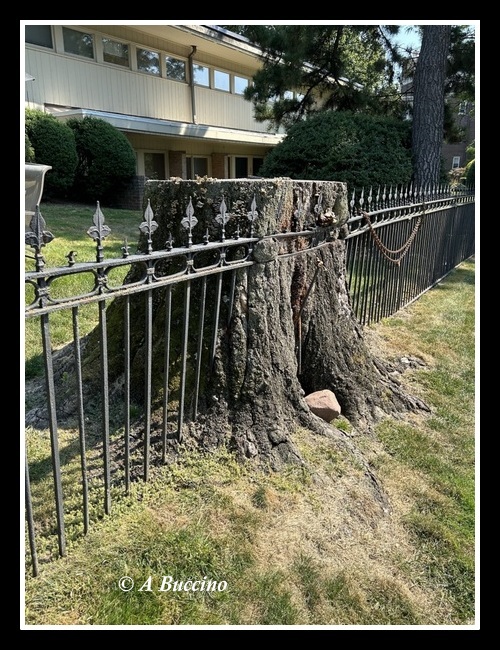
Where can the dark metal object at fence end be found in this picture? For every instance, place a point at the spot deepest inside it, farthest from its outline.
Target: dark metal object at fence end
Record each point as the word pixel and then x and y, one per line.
pixel 34 178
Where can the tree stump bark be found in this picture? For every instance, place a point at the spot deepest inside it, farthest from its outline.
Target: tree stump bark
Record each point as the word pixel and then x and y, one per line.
pixel 291 331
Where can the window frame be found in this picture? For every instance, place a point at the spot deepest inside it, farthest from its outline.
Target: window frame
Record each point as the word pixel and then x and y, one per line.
pixel 152 153
pixel 114 40
pixel 205 67
pixel 175 58
pixel 221 72
pixel 79 31
pixel 147 49
pixel 233 89
pixel 190 164
pixel 50 33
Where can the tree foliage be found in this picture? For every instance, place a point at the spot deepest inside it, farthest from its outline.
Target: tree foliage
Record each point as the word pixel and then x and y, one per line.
pixel 339 67
pixel 52 143
pixel 358 149
pixel 461 74
pixel 312 68
pixel 106 160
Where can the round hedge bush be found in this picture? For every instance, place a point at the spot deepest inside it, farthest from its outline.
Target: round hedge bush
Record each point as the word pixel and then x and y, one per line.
pixel 360 150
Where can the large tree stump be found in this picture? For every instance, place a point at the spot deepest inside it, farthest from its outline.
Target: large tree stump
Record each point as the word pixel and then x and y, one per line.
pixel 291 330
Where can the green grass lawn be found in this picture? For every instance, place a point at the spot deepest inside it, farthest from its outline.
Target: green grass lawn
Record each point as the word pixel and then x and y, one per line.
pixel 305 546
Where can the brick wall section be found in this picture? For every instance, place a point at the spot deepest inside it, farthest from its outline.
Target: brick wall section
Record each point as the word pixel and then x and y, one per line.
pixel 218 170
pixel 131 197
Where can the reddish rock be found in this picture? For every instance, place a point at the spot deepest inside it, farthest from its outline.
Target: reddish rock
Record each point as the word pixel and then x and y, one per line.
pixel 323 403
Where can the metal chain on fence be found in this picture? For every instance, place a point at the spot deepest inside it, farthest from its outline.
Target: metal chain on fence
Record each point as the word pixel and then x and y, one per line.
pixel 386 252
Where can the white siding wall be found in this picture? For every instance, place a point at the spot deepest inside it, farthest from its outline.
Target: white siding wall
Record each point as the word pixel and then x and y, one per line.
pixel 75 82
pixel 224 109
pixel 104 88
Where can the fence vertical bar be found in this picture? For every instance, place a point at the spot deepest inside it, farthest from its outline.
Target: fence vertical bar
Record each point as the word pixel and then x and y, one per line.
pixel 103 333
pixel 166 370
pixel 360 280
pixel 423 254
pixel 356 244
pixel 402 271
pixel 368 294
pixel 428 273
pixel 395 239
pixel 29 517
pixel 126 397
pixel 185 335
pixel 81 419
pixel 54 437
pixel 199 352
pixel 147 381
pixel 376 294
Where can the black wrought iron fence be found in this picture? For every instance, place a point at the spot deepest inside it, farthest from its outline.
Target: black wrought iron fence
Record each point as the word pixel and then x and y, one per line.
pixel 401 242
pixel 192 285
pixel 398 244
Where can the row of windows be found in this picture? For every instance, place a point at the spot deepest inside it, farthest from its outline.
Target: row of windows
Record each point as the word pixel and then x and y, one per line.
pixel 148 61
pixel 237 166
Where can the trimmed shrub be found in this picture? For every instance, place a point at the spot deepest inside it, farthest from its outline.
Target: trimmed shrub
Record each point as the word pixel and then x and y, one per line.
pixel 106 160
pixel 470 173
pixel 360 150
pixel 53 143
pixel 29 152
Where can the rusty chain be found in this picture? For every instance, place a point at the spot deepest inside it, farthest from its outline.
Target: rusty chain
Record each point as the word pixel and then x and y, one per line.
pixel 386 252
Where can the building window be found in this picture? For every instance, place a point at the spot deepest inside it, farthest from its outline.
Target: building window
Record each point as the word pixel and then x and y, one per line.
pixel 221 80
pixel 154 166
pixel 148 61
pixel 115 52
pixel 201 75
pixel 243 166
pixel 240 84
pixel 240 167
pixel 456 162
pixel 39 35
pixel 196 166
pixel 176 68
pixel 79 43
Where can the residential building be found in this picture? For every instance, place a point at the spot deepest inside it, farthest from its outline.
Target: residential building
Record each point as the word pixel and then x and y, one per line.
pixel 175 91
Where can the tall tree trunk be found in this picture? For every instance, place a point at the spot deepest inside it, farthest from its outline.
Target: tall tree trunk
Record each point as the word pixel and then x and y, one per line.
pixel 428 104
